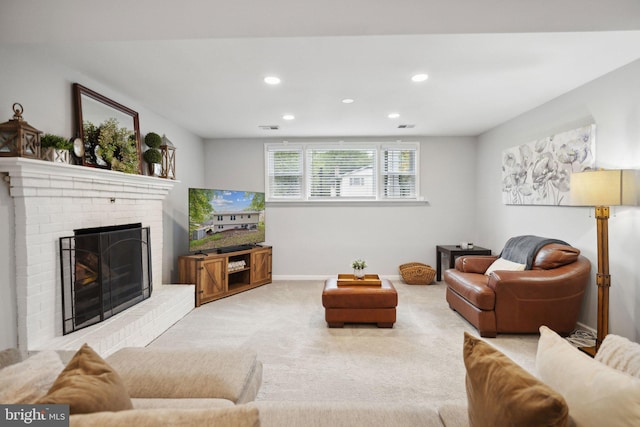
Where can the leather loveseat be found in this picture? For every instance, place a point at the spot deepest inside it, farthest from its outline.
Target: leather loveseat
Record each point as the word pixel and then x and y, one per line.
pixel 549 293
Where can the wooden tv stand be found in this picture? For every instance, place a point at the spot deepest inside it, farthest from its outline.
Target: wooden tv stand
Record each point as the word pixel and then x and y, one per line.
pixel 215 279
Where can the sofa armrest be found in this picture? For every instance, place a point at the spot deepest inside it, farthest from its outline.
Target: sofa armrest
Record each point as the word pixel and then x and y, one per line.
pixel 524 300
pixel 474 263
pixel 232 374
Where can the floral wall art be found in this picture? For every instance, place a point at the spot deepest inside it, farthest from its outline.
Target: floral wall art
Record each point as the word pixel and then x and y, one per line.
pixel 539 172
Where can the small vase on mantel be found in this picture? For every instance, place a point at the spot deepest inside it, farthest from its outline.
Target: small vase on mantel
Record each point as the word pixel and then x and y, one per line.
pixel 54 148
pixel 55 155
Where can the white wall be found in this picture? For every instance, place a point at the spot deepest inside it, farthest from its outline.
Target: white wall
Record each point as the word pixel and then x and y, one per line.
pixel 8 307
pixel 43 87
pixel 613 104
pixel 323 240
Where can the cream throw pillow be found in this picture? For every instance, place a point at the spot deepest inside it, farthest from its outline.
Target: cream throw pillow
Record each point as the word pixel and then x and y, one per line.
pixel 501 393
pixel 597 395
pixel 504 264
pixel 27 381
pixel 619 353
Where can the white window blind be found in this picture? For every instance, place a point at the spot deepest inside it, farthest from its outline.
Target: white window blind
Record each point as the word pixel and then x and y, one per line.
pixel 399 173
pixel 331 172
pixel 342 173
pixel 285 170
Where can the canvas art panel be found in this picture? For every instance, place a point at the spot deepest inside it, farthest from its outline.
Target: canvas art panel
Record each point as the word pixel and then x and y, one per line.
pixel 539 172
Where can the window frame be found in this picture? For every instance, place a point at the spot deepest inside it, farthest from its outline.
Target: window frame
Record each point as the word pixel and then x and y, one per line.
pixel 378 196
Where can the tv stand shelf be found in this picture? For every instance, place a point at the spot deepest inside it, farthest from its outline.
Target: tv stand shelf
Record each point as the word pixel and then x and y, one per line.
pixel 215 279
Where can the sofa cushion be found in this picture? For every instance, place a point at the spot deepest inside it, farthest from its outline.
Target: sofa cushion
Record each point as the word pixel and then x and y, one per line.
pixel 344 414
pixel 234 374
pixel 236 416
pixel 619 353
pixel 500 392
pixel 454 415
pixel 27 381
pixel 504 264
pixel 554 255
pixel 597 395
pixel 88 384
pixel 183 403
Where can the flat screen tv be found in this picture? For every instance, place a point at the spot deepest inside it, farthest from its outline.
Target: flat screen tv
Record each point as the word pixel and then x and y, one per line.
pixel 225 220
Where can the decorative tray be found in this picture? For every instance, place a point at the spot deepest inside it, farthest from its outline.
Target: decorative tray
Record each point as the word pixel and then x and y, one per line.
pixel 351 280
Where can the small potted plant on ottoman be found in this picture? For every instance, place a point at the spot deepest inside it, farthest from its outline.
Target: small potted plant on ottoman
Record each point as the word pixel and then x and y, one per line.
pixel 358 268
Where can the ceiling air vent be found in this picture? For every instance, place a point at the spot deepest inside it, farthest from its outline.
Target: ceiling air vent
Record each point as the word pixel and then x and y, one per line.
pixel 406 126
pixel 269 127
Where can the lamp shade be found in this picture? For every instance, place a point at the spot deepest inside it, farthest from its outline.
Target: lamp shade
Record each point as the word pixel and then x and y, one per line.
pixel 605 188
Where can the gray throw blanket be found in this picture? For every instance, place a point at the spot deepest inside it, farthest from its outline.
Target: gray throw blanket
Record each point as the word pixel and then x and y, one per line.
pixel 523 249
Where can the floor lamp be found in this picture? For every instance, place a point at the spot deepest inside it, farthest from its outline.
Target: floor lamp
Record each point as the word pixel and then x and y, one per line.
pixel 602 189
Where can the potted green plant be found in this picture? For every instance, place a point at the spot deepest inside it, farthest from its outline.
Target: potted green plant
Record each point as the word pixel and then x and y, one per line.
pixel 55 148
pixel 358 268
pixel 152 156
pixel 117 147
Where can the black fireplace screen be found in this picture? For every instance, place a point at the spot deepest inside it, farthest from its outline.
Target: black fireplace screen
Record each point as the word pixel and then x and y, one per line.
pixel 104 271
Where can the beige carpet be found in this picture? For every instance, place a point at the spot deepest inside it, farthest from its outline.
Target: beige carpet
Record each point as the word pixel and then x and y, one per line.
pixel 419 360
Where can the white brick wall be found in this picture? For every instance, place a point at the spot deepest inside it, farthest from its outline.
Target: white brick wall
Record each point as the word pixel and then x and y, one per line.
pixel 51 200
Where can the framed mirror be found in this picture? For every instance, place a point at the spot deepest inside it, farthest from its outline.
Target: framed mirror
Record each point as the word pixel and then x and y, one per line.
pixel 109 132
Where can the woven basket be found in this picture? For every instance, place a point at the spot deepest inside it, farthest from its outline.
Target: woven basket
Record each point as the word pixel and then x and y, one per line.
pixel 417 273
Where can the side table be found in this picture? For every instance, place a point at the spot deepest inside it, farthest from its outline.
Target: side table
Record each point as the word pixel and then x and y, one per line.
pixel 453 251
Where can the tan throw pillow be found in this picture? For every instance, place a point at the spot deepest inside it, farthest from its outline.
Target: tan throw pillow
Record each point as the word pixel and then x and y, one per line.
pixel 504 264
pixel 88 384
pixel 27 381
pixel 597 395
pixel 501 393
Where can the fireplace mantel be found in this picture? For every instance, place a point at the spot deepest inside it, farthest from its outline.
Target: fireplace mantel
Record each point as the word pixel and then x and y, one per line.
pixel 29 177
pixel 51 200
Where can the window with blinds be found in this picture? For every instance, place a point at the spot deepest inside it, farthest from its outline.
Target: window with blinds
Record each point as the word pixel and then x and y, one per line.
pixel 341 173
pixel 324 172
pixel 399 173
pixel 285 173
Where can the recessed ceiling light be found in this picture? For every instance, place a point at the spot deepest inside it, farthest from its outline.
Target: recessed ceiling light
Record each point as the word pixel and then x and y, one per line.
pixel 394 115
pixel 272 80
pixel 348 101
pixel 288 117
pixel 419 77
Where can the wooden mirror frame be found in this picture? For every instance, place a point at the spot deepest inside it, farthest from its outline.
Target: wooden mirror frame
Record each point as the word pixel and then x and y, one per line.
pixel 89 156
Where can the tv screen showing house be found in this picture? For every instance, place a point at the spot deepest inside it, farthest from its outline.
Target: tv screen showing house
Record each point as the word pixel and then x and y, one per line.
pixel 225 218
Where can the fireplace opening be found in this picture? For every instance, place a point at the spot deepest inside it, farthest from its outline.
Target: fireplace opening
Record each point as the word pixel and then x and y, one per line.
pixel 105 270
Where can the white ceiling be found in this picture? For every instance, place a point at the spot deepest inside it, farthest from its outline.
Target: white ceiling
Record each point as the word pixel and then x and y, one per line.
pixel 201 64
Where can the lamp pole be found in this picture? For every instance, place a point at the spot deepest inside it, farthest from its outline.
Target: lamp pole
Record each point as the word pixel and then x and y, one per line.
pixel 603 278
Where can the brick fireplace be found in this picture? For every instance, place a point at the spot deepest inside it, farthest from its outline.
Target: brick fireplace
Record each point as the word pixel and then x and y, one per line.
pixel 51 200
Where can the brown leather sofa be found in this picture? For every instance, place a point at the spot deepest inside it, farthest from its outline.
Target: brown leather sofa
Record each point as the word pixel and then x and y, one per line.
pixel 550 293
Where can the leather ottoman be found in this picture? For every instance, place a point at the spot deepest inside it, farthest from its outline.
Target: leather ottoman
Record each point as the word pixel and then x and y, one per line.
pixel 359 304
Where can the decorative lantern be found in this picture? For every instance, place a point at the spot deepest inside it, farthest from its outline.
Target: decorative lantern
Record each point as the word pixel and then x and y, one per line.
pixel 18 138
pixel 168 164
